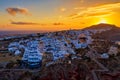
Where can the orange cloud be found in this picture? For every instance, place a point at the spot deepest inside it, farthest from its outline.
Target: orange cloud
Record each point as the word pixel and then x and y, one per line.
pixel 14 11
pixel 58 24
pixel 99 14
pixel 24 23
pixel 97 11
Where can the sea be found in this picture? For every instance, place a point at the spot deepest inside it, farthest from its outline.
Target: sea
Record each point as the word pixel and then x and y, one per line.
pixel 15 33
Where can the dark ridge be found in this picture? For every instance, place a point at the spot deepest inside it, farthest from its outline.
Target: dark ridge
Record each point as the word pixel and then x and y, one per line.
pixel 112 34
pixel 101 26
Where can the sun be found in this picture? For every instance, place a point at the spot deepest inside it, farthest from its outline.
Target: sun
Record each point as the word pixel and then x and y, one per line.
pixel 103 21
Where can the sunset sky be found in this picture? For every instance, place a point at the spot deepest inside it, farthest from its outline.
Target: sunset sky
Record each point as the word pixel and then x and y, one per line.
pixel 57 14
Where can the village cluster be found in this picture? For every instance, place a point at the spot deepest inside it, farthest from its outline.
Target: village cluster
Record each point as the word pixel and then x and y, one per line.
pixel 57 44
pixel 63 55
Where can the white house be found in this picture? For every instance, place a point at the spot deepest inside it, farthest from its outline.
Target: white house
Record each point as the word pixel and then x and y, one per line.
pixel 117 42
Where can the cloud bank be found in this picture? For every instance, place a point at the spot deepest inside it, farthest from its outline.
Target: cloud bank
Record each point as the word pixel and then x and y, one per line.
pixel 97 11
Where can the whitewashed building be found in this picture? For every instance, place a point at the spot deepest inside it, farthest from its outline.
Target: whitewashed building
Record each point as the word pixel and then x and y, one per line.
pixel 32 54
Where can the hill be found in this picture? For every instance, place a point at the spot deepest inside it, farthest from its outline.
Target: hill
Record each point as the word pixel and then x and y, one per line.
pixel 110 32
pixel 101 26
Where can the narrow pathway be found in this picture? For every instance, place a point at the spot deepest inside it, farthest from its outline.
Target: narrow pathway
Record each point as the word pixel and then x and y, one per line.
pixel 94 57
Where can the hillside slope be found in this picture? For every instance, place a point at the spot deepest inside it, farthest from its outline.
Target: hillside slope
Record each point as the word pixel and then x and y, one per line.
pixel 111 32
